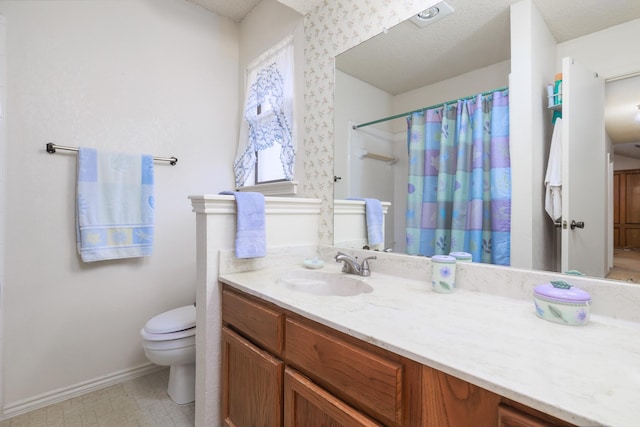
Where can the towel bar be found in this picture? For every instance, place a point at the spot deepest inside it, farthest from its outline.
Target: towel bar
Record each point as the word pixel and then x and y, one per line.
pixel 51 149
pixel 390 159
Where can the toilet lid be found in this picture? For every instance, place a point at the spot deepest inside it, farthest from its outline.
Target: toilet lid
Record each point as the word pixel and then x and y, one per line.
pixel 171 321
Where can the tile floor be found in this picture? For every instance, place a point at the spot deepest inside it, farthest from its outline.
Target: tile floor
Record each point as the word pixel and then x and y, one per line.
pixel 139 402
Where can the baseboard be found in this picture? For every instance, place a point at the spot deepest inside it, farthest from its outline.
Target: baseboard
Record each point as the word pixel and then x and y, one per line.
pixel 27 405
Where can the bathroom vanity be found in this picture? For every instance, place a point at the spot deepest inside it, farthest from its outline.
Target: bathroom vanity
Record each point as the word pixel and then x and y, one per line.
pixel 402 355
pixel 279 366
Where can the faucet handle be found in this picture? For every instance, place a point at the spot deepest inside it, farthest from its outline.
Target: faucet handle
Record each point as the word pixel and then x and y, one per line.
pixel 364 270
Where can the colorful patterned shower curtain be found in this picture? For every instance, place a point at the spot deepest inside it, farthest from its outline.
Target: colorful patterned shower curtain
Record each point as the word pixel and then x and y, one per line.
pixel 460 179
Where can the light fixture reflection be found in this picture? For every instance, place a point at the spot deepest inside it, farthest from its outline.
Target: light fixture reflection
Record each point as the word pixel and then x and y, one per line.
pixel 432 14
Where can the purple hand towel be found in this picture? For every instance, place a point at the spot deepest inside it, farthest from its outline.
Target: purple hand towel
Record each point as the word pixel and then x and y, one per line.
pixel 374 216
pixel 251 240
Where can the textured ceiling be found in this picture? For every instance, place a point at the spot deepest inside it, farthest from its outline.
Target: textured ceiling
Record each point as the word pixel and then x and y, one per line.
pixel 232 9
pixel 236 10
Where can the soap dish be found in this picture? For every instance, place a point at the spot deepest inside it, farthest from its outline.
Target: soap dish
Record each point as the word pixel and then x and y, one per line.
pixel 313 263
pixel 560 302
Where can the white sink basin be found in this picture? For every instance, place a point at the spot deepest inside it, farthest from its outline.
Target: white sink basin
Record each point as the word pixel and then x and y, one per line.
pixel 324 284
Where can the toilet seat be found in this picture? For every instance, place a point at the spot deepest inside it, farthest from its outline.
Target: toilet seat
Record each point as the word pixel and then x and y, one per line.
pixel 168 344
pixel 168 336
pixel 171 325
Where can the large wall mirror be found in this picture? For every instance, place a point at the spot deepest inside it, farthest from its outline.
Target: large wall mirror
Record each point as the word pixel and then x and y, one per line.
pixel 418 64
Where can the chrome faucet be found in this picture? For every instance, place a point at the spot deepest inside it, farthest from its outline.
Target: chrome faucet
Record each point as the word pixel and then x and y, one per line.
pixel 351 265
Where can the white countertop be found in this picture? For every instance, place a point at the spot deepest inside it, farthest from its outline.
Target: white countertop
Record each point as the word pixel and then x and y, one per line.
pixel 587 375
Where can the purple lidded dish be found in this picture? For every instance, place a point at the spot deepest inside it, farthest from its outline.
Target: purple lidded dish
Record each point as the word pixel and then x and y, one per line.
pixel 562 303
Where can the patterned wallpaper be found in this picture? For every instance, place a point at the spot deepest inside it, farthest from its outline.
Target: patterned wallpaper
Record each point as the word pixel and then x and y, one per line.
pixel 332 28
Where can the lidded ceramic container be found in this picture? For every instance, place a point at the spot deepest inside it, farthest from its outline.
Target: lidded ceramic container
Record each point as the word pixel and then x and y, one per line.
pixel 560 302
pixel 443 273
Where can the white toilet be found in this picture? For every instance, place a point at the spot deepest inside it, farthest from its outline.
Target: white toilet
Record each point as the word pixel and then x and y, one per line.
pixel 169 339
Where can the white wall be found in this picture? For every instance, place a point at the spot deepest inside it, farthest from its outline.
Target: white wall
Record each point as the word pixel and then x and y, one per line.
pixel 484 79
pixel 355 102
pixel 625 163
pixel 611 53
pixel 155 76
pixel 533 242
pixel 3 93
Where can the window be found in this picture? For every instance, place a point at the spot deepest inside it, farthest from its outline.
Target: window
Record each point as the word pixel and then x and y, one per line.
pixel 267 146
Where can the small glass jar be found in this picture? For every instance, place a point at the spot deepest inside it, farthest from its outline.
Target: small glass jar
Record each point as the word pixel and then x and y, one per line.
pixel 443 273
pixel 462 256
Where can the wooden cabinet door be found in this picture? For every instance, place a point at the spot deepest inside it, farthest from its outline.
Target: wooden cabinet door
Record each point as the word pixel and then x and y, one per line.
pixel 626 209
pixel 306 404
pixel 616 210
pixel 251 384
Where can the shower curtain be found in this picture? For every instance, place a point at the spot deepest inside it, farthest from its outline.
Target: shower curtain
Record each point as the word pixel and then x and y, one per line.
pixel 459 193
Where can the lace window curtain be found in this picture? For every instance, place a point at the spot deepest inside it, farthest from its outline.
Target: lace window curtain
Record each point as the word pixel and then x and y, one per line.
pixel 268 112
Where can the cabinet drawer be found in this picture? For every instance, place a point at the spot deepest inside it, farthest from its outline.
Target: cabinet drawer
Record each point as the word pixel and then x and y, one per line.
pixel 255 321
pixel 365 380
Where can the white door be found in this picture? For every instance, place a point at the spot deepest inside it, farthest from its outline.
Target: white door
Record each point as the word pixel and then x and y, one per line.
pixel 584 171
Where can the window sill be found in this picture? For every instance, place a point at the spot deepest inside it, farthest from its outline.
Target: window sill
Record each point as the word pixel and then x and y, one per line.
pixel 284 188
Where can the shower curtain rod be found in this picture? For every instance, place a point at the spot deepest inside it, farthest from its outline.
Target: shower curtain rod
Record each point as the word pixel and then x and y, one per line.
pixel 51 149
pixel 419 110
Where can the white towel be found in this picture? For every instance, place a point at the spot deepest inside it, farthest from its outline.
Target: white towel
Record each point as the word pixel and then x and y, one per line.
pixel 553 177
